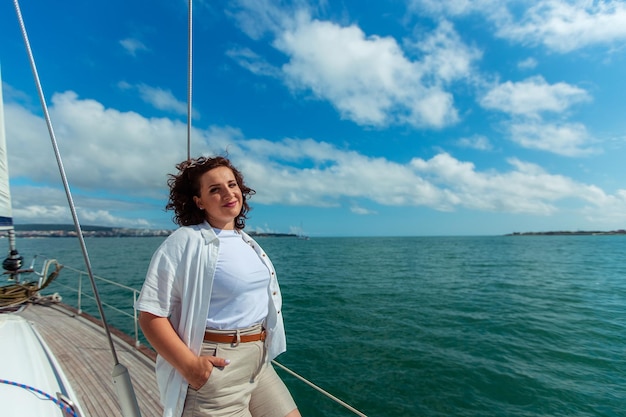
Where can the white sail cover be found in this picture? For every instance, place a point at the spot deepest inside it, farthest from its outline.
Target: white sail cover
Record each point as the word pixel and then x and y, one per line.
pixel 6 215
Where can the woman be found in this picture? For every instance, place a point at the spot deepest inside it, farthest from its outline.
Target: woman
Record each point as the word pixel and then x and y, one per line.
pixel 210 304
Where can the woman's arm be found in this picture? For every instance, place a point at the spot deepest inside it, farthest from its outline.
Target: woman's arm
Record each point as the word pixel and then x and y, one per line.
pixel 164 339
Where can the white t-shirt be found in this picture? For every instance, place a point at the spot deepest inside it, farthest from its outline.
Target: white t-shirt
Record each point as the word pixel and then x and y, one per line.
pixel 240 296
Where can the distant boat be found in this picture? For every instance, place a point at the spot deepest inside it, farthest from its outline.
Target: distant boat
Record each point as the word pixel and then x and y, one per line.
pixel 301 234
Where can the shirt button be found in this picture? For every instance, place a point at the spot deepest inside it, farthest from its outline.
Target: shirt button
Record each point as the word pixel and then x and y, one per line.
pixel 274 293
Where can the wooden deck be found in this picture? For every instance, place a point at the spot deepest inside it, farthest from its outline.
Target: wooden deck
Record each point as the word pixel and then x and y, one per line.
pixel 82 349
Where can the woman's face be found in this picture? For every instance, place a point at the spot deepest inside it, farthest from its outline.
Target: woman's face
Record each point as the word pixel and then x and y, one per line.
pixel 220 197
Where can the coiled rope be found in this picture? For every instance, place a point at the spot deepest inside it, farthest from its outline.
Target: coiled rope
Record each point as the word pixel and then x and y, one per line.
pixel 15 294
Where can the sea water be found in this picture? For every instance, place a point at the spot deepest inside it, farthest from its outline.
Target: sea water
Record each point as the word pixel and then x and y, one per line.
pixel 429 326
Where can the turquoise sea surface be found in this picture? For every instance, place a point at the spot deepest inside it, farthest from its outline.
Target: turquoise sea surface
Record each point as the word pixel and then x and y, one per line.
pixel 427 326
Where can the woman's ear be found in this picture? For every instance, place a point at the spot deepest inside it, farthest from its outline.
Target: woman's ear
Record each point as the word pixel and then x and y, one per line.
pixel 198 202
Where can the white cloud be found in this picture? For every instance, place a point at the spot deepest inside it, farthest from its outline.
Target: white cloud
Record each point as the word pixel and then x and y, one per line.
pixel 264 229
pixel 258 17
pixel 368 78
pixel 251 61
pixel 47 213
pixel 101 147
pixel 453 8
pixel 161 99
pixel 612 210
pixel 132 46
pixel 442 182
pixel 445 57
pixel 569 139
pixel 560 25
pixel 527 101
pixel 533 96
pixel 362 211
pixel 528 63
pixel 118 161
pixel 158 98
pixel 106 218
pixel 479 142
pixel 564 26
pixel 43 204
pixel 527 188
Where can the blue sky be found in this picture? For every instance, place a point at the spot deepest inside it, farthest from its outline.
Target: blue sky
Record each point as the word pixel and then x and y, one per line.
pixel 349 118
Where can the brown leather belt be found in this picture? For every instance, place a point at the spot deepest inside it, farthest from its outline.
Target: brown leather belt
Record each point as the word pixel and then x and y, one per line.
pixel 232 337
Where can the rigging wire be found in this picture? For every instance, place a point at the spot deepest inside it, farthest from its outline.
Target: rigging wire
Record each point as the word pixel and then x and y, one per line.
pixel 189 74
pixel 121 378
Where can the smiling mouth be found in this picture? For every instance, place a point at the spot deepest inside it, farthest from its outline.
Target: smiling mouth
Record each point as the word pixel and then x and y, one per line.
pixel 231 205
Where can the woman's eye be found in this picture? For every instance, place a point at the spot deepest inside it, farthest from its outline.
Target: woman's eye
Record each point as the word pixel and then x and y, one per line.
pixel 213 190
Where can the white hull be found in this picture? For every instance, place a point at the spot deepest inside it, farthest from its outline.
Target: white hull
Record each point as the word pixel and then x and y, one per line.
pixel 33 383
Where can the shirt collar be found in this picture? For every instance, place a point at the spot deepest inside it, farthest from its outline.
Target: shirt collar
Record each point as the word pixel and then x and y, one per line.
pixel 207 232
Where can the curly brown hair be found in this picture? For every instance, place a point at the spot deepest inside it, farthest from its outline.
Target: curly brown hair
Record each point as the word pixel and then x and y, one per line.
pixel 185 185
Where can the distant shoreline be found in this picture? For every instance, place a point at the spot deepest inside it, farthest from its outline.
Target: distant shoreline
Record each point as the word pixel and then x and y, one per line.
pixel 68 230
pixel 569 233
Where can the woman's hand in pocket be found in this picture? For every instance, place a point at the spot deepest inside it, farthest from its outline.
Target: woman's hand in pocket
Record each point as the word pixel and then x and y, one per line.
pixel 199 374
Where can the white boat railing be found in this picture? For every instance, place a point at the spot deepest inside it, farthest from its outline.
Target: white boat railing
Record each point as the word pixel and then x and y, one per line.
pixel 81 293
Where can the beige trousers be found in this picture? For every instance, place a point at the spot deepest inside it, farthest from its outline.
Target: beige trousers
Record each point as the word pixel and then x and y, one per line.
pixel 247 387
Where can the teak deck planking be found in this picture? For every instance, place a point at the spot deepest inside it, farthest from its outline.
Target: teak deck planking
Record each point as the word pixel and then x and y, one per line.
pixel 82 349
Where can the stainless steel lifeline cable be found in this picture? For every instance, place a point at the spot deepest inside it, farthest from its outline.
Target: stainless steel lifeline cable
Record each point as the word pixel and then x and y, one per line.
pixel 326 393
pixel 189 114
pixel 121 377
